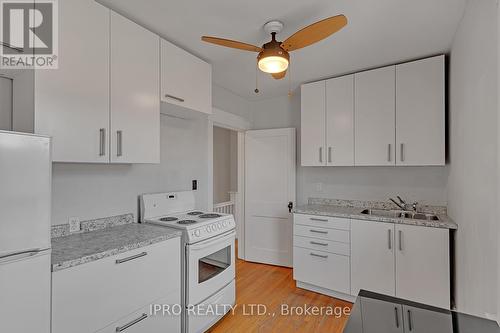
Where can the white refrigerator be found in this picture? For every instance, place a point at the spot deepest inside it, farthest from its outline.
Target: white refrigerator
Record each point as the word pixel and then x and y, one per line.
pixel 25 204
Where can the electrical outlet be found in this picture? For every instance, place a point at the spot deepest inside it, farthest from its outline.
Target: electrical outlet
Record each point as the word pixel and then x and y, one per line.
pixel 319 187
pixel 74 224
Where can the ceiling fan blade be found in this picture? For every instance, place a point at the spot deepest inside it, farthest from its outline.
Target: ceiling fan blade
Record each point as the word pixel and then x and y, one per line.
pixel 231 43
pixel 279 76
pixel 314 33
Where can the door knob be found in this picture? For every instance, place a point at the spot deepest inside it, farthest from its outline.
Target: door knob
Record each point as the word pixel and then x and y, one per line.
pixel 290 206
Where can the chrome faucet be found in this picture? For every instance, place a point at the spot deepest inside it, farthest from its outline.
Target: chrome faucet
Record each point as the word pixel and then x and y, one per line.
pixel 403 205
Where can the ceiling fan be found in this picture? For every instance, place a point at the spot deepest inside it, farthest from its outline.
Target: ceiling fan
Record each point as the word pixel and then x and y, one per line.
pixel 273 57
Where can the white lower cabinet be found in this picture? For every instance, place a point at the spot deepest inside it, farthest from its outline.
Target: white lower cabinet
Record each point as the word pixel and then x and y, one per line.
pixel 372 257
pixel 406 261
pixel 108 291
pixel 423 265
pixel 148 320
pixel 321 254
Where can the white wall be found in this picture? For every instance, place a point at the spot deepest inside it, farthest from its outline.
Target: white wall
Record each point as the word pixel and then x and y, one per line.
pixel 472 182
pixel 227 101
pixel 423 184
pixel 222 164
pixel 90 191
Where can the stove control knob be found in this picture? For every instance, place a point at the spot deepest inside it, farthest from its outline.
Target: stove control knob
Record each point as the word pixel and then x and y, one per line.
pixel 208 229
pixel 197 233
pixel 224 224
pixel 214 227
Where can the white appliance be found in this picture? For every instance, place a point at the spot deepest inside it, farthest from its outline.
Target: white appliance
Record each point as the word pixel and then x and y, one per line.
pixel 208 263
pixel 25 194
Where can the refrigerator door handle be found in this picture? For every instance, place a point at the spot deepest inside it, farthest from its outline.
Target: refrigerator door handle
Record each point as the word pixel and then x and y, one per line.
pixel 20 254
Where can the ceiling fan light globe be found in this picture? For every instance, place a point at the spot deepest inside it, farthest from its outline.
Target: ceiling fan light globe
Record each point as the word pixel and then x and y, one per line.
pixel 273 64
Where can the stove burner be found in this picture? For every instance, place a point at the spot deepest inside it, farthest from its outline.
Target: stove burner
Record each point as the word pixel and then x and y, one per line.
pixel 186 222
pixel 209 216
pixel 195 213
pixel 168 219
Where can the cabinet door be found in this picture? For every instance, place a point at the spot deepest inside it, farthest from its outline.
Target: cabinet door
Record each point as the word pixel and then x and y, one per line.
pixel 135 100
pixel 340 121
pixel 423 265
pixel 185 79
pixel 375 117
pixel 25 289
pixel 420 110
pixel 372 257
pixel 312 122
pixel 381 317
pixel 72 102
pixel 417 320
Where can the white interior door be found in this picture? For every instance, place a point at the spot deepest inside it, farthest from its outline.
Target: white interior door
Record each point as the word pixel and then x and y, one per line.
pixel 270 186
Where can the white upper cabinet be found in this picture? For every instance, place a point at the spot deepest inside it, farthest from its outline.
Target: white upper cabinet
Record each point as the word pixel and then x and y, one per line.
pixel 72 102
pixel 340 121
pixel 375 115
pixel 420 105
pixel 135 101
pixel 185 79
pixel 390 116
pixel 313 111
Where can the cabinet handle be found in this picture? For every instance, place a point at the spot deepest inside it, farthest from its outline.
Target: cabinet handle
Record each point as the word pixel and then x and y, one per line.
pixel 317 243
pixel 316 219
pixel 390 238
pixel 402 152
pixel 320 154
pixel 319 255
pixel 410 321
pixel 132 323
pixel 389 157
pixel 400 234
pixel 396 314
pixel 175 97
pixel 318 231
pixel 102 141
pixel 329 154
pixel 119 136
pixel 121 261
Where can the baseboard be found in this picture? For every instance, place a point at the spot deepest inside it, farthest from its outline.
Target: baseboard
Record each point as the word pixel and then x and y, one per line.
pixel 328 292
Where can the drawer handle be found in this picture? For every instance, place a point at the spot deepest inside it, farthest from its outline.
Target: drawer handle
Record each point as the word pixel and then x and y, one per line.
pixel 121 261
pixel 119 143
pixel 318 231
pixel 102 141
pixel 316 219
pixel 317 243
pixel 174 97
pixel 132 323
pixel 319 255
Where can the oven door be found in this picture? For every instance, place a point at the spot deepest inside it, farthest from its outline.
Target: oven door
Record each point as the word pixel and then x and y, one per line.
pixel 210 267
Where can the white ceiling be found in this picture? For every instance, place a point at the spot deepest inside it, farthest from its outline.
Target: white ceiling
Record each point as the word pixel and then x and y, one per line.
pixel 379 32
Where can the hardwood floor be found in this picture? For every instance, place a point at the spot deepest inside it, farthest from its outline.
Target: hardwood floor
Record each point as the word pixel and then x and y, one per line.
pixel 273 286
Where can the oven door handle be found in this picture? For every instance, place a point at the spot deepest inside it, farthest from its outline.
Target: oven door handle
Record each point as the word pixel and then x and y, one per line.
pixel 219 239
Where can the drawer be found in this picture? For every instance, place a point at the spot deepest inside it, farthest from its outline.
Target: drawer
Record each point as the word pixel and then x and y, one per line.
pixel 322 269
pixel 323 221
pixel 322 245
pixel 148 320
pixel 102 291
pixel 322 233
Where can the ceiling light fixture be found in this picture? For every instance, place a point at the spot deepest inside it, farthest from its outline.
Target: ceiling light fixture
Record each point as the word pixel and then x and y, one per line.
pixel 273 58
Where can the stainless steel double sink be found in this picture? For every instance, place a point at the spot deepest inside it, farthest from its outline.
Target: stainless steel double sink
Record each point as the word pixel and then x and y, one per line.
pixel 400 214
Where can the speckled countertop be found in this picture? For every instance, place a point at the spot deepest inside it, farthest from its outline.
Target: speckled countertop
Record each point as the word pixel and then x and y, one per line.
pixel 80 248
pixel 340 209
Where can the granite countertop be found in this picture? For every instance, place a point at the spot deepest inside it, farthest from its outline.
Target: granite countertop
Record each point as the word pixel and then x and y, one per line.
pixel 355 213
pixel 76 249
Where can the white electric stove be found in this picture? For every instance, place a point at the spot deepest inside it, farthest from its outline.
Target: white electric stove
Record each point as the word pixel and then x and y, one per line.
pixel 208 263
